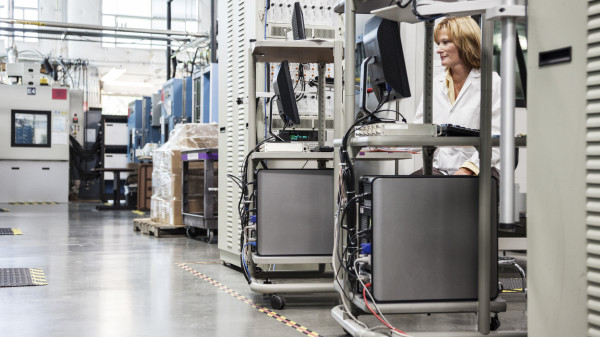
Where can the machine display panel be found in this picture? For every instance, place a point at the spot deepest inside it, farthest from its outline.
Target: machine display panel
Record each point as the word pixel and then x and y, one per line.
pixel 30 128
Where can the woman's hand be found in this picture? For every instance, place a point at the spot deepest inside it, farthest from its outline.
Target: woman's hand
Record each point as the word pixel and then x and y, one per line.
pixel 463 171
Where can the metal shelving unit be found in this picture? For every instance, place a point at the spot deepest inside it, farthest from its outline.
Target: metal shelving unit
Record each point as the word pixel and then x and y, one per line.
pixel 306 51
pixel 483 306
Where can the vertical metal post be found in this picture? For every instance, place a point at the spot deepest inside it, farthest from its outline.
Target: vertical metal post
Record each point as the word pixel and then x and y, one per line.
pixel 321 110
pixel 143 112
pixel 349 93
pixel 251 116
pixel 11 52
pixel 427 94
pixel 183 100
pixel 349 64
pixel 321 101
pixel 485 180
pixel 338 116
pixel 507 141
pixel 213 31
pixel 169 42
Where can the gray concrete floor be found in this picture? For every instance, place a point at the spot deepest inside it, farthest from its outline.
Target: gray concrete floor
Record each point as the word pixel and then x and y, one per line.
pixel 106 280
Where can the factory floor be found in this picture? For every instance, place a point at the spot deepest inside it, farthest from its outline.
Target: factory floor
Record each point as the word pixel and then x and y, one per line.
pixel 104 279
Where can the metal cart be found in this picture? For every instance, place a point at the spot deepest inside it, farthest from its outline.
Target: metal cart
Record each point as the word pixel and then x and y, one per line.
pixel 199 192
pixel 354 304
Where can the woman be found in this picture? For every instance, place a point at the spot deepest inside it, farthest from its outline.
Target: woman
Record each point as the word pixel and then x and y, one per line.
pixel 457 94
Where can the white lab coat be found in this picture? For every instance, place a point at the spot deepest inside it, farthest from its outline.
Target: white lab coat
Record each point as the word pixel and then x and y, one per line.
pixel 465 112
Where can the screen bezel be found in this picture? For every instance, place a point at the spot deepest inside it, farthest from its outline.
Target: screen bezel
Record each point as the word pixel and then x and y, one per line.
pixel 31 112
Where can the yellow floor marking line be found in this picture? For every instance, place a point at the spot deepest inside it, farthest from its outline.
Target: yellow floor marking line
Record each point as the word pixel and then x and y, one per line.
pixel 16 231
pixel 38 277
pixel 4 210
pixel 244 299
pixel 138 212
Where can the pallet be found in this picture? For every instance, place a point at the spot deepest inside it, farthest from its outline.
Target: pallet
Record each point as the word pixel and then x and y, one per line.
pixel 149 227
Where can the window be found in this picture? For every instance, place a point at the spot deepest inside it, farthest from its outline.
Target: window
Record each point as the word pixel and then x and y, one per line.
pixel 147 14
pixel 30 128
pixel 26 10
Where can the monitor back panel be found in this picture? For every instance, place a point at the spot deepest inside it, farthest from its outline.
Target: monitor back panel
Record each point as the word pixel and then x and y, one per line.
pixel 425 238
pixel 294 212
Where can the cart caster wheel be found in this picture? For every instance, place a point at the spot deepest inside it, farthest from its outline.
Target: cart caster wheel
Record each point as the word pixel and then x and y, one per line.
pixel 210 236
pixel 191 232
pixel 495 323
pixel 277 302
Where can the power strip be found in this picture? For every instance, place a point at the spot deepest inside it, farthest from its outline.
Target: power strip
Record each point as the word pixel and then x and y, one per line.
pixel 396 129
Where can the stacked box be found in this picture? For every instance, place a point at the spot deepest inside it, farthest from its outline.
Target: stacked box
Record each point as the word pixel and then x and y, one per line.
pixel 167 170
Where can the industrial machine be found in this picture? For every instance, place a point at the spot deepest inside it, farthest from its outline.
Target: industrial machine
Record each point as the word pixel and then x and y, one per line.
pixel 36 123
pixel 151 120
pixel 177 105
pixel 141 128
pixel 135 113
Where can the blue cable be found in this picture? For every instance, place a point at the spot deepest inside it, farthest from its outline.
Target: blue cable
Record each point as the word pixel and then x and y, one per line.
pixel 244 260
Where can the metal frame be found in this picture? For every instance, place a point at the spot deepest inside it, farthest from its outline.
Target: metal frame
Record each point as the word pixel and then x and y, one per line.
pixel 508 11
pixel 321 52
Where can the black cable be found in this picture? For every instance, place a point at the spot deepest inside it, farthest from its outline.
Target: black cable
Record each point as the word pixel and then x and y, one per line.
pixel 400 4
pixel 421 17
pixel 397 114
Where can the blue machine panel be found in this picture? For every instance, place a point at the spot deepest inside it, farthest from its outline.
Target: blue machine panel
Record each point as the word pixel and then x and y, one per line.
pixel 151 133
pixel 177 104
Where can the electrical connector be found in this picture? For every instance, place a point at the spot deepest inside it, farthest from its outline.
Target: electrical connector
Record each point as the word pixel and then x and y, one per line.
pixel 364 259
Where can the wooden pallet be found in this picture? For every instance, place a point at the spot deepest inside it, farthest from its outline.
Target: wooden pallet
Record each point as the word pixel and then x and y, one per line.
pixel 149 227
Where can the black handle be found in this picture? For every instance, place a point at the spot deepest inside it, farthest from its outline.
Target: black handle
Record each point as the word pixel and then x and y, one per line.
pixel 556 56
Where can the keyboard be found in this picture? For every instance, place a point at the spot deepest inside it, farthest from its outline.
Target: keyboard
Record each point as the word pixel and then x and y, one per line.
pixel 449 130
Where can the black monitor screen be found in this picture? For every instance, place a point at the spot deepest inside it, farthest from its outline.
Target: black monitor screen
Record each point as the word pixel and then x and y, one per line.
pixel 286 100
pixel 298 22
pixel 388 72
pixel 30 128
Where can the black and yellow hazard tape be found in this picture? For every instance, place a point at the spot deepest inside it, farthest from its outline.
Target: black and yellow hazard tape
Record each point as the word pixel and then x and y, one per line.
pixel 138 212
pixel 38 277
pixel 33 203
pixel 512 285
pixel 244 299
pixel 10 231
pixel 4 210
pixel 20 277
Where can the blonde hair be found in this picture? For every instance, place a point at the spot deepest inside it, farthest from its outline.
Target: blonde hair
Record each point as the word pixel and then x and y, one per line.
pixel 466 35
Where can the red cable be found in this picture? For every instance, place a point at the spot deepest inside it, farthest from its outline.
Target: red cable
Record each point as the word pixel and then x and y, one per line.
pixel 375 314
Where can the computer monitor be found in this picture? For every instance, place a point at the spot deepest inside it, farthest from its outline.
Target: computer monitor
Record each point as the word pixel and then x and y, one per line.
pixel 298 22
pixel 385 59
pixel 286 100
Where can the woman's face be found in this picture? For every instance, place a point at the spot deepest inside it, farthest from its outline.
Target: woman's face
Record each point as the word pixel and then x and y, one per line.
pixel 447 50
